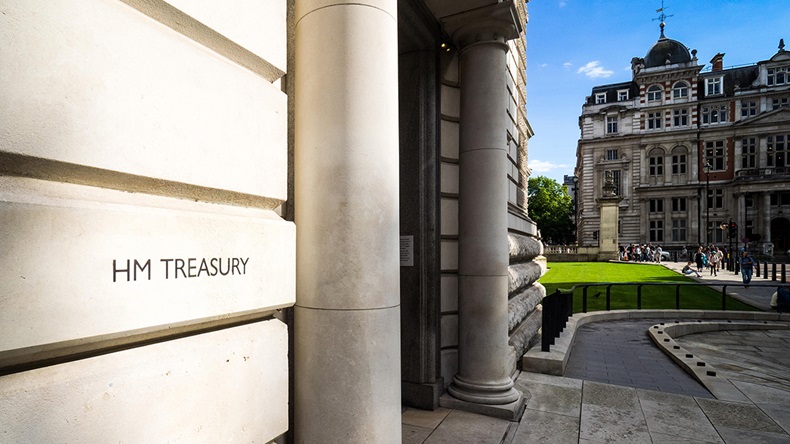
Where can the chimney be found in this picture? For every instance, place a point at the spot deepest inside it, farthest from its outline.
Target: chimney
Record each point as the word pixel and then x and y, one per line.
pixel 717 61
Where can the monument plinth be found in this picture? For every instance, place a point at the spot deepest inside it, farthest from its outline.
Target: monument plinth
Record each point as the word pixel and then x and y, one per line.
pixel 610 213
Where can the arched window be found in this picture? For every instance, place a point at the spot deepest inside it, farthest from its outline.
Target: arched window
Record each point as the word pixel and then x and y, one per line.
pixel 654 93
pixel 679 156
pixel 680 90
pixel 655 162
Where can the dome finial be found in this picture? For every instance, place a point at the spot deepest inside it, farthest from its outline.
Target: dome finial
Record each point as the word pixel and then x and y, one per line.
pixel 781 44
pixel 662 18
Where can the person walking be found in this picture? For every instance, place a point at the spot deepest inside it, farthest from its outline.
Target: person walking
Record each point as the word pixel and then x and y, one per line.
pixel 713 260
pixel 747 263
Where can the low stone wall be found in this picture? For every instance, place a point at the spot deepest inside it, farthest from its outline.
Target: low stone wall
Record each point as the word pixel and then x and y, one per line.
pixel 572 254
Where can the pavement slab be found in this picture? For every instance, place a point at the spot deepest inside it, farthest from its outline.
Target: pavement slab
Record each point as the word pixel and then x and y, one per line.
pixel 469 428
pixel 738 436
pixel 677 416
pixel 738 416
pixel 597 425
pixel 539 427
pixel 414 435
pixel 562 400
pixel 429 419
pixel 660 438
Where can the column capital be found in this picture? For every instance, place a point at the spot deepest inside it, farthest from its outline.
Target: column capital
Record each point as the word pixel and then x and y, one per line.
pixel 497 22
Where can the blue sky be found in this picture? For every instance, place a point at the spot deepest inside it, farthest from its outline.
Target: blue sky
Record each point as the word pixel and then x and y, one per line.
pixel 573 45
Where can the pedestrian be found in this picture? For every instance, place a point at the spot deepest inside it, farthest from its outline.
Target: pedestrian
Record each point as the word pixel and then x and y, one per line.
pixel 659 250
pixel 713 260
pixel 746 268
pixel 780 301
pixel 698 258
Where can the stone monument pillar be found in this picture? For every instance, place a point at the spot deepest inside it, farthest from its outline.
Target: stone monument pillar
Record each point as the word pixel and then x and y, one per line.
pixel 610 215
pixel 483 383
pixel 347 341
pixel 765 245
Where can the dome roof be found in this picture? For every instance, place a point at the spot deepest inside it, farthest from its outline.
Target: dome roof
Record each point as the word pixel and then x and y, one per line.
pixel 667 49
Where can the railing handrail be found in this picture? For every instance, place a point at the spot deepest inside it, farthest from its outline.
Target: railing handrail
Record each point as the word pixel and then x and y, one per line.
pixel 558 306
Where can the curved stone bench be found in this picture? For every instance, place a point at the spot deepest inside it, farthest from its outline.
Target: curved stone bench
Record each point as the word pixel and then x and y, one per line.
pixel 664 335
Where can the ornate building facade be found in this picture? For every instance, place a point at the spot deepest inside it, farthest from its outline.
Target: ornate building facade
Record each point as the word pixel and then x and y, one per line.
pixel 691 149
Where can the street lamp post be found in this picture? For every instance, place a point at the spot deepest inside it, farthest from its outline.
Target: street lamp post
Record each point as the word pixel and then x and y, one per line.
pixel 707 167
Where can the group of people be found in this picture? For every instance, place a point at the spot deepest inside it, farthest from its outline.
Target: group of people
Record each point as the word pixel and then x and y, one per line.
pixel 641 253
pixel 710 257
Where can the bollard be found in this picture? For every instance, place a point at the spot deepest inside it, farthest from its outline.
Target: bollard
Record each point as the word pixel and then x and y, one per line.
pixel 756 268
pixel 784 275
pixel 765 270
pixel 773 271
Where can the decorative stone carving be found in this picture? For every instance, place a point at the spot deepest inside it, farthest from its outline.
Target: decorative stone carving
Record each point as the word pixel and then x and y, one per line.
pixel 608 185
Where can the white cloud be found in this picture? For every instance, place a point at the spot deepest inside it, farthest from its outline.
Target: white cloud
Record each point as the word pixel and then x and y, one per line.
pixel 567 65
pixel 544 65
pixel 539 166
pixel 627 68
pixel 562 4
pixel 594 70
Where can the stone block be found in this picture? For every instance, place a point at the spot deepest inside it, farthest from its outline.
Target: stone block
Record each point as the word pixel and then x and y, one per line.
pixel 226 385
pixel 451 101
pixel 524 303
pixel 243 24
pixel 449 217
pixel 102 261
pixel 523 248
pixel 80 92
pixel 450 142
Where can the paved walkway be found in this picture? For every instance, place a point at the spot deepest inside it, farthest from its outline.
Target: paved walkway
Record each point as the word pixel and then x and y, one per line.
pixel 570 410
pixel 621 353
pixel 757 294
pixel 625 391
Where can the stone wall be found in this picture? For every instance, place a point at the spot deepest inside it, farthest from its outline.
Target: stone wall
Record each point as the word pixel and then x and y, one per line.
pixel 525 293
pixel 143 161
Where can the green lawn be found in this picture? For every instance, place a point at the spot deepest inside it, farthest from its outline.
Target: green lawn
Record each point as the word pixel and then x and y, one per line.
pixel 566 275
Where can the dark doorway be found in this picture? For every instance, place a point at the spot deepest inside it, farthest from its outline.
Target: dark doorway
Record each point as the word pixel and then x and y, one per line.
pixel 780 235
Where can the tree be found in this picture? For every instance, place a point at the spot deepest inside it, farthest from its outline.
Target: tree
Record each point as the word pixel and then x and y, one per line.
pixel 551 208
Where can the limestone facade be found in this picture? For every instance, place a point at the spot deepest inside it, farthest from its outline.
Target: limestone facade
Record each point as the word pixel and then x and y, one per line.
pixel 655 134
pixel 295 211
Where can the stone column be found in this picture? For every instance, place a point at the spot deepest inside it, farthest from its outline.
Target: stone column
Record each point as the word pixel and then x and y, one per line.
pixel 347 341
pixel 765 244
pixel 741 217
pixel 483 377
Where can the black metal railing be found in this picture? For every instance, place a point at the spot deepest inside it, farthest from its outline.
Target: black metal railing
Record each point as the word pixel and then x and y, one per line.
pixel 558 306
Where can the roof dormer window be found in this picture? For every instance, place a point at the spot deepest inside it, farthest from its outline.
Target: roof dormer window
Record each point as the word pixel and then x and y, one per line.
pixel 713 86
pixel 778 76
pixel 622 95
pixel 600 98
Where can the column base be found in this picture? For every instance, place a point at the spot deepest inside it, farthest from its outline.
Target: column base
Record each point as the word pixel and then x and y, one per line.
pixel 511 411
pixel 422 396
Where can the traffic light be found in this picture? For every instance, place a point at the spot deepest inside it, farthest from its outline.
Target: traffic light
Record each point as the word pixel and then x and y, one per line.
pixel 733 229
